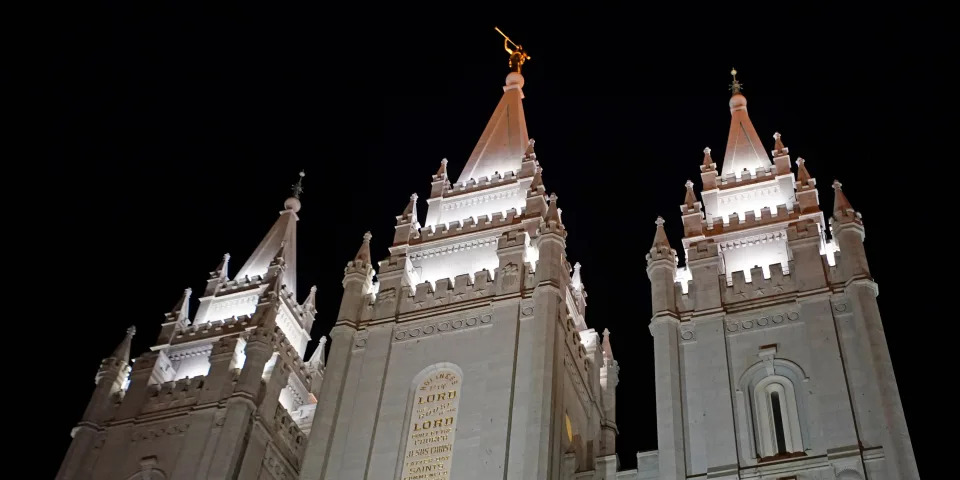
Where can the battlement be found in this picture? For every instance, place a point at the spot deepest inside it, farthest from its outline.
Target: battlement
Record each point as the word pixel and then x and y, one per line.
pixel 426 295
pixel 178 393
pixel 240 284
pixel 289 435
pixel 213 329
pixel 468 225
pixel 739 289
pixel 731 180
pixel 733 222
pixel 473 185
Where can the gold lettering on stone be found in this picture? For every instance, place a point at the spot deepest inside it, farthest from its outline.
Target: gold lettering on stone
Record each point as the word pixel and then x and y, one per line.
pixel 433 423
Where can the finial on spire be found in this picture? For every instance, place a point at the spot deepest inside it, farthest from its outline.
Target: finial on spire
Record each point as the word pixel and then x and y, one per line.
pixel 442 172
pixel 736 86
pixel 517 55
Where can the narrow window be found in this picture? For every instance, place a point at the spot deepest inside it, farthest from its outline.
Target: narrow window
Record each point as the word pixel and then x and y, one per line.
pixel 778 423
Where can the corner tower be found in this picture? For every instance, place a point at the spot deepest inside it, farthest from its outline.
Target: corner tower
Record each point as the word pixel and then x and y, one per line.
pixel 224 393
pixel 771 359
pixel 470 356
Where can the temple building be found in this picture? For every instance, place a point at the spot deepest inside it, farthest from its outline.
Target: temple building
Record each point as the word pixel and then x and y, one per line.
pixel 465 353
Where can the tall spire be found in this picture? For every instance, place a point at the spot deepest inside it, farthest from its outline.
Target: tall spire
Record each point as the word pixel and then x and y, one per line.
pixel 744 149
pixel 283 235
pixel 122 352
pixel 504 140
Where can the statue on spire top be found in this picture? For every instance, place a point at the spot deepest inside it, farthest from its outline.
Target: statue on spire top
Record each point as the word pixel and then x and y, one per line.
pixel 736 86
pixel 517 55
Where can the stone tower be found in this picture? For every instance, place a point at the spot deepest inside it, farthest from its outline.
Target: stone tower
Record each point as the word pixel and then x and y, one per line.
pixel 470 357
pixel 770 355
pixel 222 395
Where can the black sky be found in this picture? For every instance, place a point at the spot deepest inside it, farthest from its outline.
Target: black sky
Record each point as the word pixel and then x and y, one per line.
pixel 171 136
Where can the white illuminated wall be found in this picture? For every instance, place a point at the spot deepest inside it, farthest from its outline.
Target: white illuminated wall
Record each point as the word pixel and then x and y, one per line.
pixel 744 255
pixel 473 205
pixel 452 259
pixel 739 200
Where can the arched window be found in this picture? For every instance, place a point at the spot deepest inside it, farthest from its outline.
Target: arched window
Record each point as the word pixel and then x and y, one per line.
pixel 776 417
pixel 770 409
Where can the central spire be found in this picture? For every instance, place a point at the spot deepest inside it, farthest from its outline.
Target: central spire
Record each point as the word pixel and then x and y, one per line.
pixel 744 149
pixel 505 138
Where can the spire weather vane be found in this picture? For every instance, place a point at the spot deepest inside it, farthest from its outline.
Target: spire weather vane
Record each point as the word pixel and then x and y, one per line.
pixel 736 86
pixel 517 55
pixel 298 187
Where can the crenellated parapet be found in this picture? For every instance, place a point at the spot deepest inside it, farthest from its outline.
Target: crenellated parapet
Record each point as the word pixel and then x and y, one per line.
pixel 474 185
pixel 468 225
pixel 759 287
pixel 734 223
pixel 216 328
pixel 175 394
pixel 425 295
pixel 289 436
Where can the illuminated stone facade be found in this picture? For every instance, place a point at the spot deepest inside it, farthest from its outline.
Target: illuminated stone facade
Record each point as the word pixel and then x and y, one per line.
pixel 470 357
pixel 770 355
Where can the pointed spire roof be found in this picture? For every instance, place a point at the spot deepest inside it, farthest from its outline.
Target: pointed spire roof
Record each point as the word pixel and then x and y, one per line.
pixel 690 199
pixel 537 180
pixel 803 176
pixel 442 172
pixel 122 352
pixel 364 253
pixel 221 271
pixel 282 236
pixel 504 141
pixel 708 163
pixel 409 214
pixel 575 280
pixel 310 304
pixel 553 213
pixel 607 349
pixel 660 238
pixel 317 360
pixel 841 206
pixel 181 311
pixel 778 148
pixel 744 149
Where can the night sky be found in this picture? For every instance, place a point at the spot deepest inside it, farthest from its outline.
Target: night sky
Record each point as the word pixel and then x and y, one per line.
pixel 172 136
